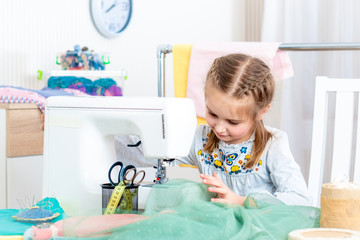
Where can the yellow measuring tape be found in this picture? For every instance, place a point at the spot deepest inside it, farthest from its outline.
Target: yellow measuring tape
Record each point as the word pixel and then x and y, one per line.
pixel 126 203
pixel 115 198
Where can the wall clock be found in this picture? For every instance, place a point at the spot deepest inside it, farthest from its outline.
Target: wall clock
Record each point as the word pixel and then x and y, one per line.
pixel 111 17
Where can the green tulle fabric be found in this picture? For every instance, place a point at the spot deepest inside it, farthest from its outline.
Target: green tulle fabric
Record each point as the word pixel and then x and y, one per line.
pixel 181 209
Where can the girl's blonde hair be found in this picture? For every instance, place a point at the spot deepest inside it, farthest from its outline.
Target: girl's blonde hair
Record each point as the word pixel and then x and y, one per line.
pixel 245 78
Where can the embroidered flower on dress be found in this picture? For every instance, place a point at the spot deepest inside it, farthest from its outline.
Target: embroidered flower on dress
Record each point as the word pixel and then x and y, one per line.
pixel 218 164
pixel 243 149
pixel 235 169
pixel 232 162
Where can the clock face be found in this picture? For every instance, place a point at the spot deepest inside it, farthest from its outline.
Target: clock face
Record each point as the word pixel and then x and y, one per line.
pixel 111 17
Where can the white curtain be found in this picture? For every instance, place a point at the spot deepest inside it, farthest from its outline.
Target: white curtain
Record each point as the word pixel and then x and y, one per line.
pixel 309 21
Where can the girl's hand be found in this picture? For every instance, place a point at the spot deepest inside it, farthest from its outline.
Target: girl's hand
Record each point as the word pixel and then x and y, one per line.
pixel 225 195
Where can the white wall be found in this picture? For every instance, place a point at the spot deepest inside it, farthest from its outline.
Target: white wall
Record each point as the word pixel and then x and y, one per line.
pixel 34 31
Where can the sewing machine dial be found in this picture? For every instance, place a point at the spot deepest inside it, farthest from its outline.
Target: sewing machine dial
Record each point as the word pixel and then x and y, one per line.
pixel 111 17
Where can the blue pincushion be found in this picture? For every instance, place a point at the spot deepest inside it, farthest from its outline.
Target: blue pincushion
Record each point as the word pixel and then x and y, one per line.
pixel 35 214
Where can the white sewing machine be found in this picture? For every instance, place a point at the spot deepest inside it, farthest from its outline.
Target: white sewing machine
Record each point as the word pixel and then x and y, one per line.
pixel 79 141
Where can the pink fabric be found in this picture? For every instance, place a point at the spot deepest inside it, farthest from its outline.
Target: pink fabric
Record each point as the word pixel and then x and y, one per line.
pixel 92 226
pixel 202 56
pixel 13 95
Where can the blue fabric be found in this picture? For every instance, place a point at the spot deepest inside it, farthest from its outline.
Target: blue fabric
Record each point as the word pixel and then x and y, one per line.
pixel 67 81
pixel 45 92
pixel 99 87
pixel 48 92
pixel 9 226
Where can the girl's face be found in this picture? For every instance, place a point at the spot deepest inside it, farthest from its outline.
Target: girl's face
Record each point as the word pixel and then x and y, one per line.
pixel 224 118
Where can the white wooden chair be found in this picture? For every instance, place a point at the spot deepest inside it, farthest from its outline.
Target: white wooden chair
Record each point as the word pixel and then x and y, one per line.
pixel 336 133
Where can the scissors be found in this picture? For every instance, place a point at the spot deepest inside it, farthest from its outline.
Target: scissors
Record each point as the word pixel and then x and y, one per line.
pixel 128 175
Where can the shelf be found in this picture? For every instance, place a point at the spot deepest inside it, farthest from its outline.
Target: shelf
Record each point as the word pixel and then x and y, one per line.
pixel 82 73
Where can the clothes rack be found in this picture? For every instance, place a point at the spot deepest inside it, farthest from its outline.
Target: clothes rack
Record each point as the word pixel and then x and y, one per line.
pixel 162 50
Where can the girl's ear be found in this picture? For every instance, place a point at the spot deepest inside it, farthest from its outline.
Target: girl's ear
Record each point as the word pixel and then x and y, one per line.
pixel 262 112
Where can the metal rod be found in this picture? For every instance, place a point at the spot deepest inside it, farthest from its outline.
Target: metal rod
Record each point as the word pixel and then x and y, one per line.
pixel 319 46
pixel 162 50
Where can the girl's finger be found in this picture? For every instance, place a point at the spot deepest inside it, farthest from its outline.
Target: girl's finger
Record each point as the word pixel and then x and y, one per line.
pixel 219 191
pixel 213 182
pixel 204 176
pixel 214 175
pixel 207 178
pixel 218 200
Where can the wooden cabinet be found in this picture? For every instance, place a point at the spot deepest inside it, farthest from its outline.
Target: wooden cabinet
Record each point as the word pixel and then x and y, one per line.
pixel 21 159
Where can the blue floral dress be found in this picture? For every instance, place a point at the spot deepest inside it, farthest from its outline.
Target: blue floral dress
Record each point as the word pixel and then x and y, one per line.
pixel 276 172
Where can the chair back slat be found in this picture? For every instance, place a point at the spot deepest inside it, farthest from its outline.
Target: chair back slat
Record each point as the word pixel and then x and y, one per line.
pixel 318 140
pixel 344 148
pixel 357 148
pixel 343 134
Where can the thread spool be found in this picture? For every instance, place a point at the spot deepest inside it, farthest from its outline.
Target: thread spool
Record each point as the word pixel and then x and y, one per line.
pixel 340 206
pixel 323 233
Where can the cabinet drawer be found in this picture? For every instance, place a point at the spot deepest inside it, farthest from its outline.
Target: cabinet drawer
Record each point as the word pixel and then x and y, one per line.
pixel 23 134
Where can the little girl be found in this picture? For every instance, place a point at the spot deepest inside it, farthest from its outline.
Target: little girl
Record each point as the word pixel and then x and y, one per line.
pixel 235 153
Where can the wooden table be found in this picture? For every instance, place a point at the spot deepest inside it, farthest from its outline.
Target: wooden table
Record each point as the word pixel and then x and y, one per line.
pixel 21 159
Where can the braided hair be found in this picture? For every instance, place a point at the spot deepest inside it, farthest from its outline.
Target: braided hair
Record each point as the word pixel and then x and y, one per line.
pixel 245 78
